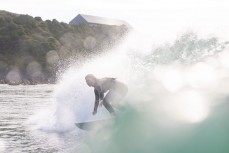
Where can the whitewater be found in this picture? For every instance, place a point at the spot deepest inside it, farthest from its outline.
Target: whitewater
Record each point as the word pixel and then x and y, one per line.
pixel 177 95
pixel 175 62
pixel 177 101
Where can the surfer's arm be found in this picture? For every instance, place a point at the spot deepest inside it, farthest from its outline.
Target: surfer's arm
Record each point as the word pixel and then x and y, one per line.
pixel 96 102
pixel 101 96
pixel 100 93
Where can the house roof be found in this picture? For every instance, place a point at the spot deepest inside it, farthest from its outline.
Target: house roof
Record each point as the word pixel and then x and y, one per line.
pixel 99 20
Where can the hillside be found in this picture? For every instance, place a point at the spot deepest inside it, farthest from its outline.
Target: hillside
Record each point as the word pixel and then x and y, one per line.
pixel 32 50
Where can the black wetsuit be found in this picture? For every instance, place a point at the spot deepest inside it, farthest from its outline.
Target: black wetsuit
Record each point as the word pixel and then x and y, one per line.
pixel 116 91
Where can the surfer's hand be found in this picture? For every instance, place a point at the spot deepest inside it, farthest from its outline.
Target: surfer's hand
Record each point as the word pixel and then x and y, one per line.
pixel 94 112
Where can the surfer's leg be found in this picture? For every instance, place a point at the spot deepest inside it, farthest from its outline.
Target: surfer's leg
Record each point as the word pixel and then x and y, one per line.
pixel 108 106
pixel 106 102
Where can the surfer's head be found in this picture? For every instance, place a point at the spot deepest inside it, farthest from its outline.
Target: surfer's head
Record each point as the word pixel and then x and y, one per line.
pixel 90 80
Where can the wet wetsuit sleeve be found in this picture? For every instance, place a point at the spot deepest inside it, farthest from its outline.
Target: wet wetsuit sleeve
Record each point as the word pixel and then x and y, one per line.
pixel 96 95
pixel 101 95
pixel 96 100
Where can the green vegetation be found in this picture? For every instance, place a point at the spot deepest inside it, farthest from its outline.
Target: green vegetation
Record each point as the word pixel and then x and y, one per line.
pixel 34 49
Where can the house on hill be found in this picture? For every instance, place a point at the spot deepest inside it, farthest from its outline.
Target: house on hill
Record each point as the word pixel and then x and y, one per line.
pixel 96 21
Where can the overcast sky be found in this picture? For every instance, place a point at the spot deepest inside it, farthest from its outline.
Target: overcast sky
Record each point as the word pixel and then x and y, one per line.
pixel 159 15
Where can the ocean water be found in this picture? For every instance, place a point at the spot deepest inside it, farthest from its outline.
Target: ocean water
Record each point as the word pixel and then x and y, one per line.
pixel 17 134
pixel 177 102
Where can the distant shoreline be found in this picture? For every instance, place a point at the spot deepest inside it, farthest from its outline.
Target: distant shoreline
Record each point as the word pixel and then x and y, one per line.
pixel 34 51
pixel 26 82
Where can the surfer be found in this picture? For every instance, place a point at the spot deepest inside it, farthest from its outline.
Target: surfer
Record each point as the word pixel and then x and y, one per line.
pixel 116 91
